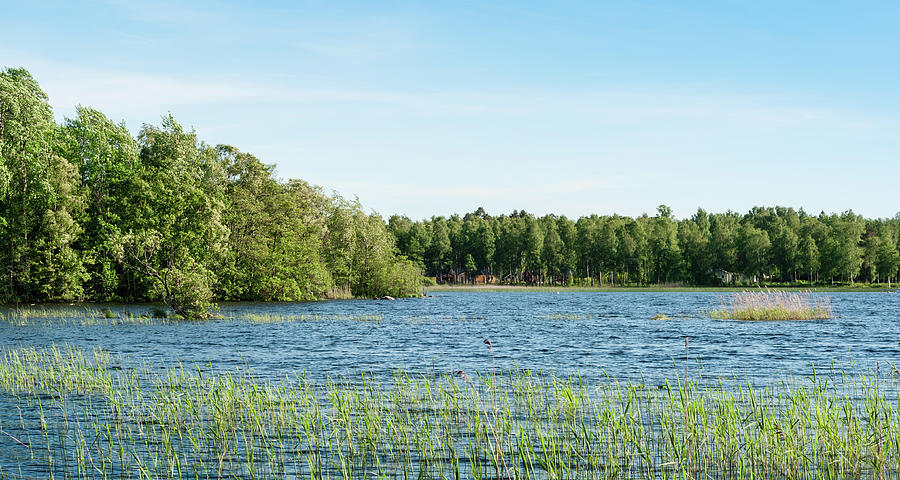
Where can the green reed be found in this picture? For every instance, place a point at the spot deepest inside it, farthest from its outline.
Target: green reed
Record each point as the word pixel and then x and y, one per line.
pixel 87 315
pixel 185 422
pixel 80 315
pixel 773 305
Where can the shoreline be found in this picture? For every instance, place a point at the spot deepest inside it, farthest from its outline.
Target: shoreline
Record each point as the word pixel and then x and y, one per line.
pixel 654 289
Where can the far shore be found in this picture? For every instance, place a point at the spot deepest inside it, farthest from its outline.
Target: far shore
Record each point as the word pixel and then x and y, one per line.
pixel 650 288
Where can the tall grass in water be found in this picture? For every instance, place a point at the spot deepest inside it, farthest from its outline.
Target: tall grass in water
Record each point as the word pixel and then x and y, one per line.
pixel 186 423
pixel 773 305
pixel 91 315
pixel 51 370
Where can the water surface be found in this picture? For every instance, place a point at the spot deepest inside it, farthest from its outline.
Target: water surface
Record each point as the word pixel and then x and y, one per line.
pixel 595 334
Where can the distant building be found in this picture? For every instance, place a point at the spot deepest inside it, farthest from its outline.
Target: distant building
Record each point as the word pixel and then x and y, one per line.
pixel 486 279
pixel 729 278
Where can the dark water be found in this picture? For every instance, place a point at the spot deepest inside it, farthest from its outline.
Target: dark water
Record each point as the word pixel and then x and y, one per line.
pixel 593 334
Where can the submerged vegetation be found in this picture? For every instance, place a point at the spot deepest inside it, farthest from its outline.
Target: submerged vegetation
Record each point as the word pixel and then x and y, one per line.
pixel 90 213
pixel 773 305
pixel 82 419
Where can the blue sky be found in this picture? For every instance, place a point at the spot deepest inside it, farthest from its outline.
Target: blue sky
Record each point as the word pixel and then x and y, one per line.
pixel 431 108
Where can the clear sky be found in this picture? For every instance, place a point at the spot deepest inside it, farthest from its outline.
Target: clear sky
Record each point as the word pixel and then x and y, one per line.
pixel 431 108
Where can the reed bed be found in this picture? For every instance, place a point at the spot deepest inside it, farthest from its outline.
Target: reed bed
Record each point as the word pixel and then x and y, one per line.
pixel 87 421
pixel 91 317
pixel 51 370
pixel 773 305
pixel 81 315
pixel 78 315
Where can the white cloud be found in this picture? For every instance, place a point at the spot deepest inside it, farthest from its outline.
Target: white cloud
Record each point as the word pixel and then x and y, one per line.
pixel 141 94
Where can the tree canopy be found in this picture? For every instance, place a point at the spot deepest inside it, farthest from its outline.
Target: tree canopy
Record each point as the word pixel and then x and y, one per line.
pixel 765 245
pixel 88 212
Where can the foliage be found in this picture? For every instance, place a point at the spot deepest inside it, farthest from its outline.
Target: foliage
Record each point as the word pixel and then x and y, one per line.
pixel 109 172
pixel 374 269
pixel 764 246
pixel 39 199
pixel 274 247
pixel 87 212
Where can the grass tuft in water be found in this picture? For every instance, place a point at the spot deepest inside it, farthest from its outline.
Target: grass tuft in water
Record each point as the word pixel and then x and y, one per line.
pixel 773 305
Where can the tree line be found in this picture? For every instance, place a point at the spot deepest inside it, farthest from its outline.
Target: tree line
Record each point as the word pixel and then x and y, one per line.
pixel 766 245
pixel 90 213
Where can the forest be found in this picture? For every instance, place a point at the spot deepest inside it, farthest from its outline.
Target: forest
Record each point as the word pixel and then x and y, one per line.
pixel 90 213
pixel 764 246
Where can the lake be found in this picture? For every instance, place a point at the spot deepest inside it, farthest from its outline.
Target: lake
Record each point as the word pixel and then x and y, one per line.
pixel 117 418
pixel 593 334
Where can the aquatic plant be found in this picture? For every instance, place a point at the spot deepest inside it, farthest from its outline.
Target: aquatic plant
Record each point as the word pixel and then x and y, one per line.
pixel 189 423
pixel 773 305
pixel 87 315
pixel 54 370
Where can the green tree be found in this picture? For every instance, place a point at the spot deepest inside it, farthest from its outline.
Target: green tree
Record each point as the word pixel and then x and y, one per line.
pixel 533 246
pixel 808 256
pixel 471 267
pixel 39 199
pixel 568 235
pixel 693 238
pixel 376 269
pixel 785 246
pixel 887 260
pixel 722 242
pixel 664 247
pixel 552 253
pixel 107 159
pixel 275 243
pixel 440 249
pixel 754 251
pixel 180 237
pixel 606 248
